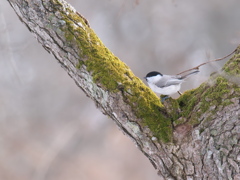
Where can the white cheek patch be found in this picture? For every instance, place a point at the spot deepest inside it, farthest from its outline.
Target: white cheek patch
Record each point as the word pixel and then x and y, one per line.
pixel 153 79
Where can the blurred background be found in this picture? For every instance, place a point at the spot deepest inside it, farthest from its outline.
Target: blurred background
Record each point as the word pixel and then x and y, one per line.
pixel 49 129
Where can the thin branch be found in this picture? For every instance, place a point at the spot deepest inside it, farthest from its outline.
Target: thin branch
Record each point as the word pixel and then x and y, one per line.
pixel 219 59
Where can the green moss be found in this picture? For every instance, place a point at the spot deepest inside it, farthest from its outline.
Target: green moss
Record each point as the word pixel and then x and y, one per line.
pixel 115 76
pixel 208 98
pixel 187 101
pixel 109 71
pixel 232 67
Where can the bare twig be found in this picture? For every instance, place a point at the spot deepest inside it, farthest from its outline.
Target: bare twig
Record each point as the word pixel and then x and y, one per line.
pixel 219 59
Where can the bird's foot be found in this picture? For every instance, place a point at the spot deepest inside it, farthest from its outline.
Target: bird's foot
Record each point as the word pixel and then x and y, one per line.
pixel 163 98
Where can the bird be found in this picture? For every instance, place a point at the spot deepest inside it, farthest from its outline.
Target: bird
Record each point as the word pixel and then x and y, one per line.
pixel 166 84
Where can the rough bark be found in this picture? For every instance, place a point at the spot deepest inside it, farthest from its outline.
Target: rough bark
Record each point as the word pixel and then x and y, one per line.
pixel 193 137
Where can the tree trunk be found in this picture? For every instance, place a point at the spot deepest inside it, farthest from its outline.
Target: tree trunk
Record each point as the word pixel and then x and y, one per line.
pixel 193 137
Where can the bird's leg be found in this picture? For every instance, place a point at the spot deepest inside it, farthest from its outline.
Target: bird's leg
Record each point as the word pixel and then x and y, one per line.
pixel 163 98
pixel 179 93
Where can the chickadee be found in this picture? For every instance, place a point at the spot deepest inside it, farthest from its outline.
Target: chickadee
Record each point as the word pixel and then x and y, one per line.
pixel 166 84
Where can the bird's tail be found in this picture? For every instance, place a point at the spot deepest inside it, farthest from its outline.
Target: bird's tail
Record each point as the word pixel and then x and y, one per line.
pixel 189 74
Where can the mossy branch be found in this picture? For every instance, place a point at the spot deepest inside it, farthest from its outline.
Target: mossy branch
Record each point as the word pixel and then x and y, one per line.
pixel 157 129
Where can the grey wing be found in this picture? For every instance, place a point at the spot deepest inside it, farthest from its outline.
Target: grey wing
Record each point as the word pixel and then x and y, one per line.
pixel 168 80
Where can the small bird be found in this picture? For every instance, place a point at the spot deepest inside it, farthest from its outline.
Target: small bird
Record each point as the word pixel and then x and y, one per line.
pixel 166 84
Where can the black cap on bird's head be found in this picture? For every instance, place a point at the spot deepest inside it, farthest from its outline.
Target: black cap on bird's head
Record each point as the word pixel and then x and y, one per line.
pixel 153 73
